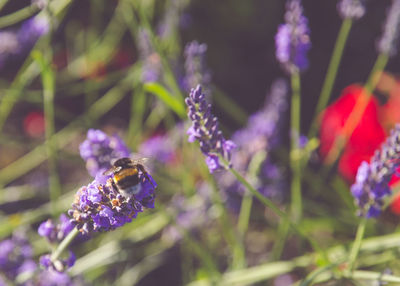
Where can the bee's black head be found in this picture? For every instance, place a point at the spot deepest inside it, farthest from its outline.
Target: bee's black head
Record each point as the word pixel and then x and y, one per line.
pixel 123 163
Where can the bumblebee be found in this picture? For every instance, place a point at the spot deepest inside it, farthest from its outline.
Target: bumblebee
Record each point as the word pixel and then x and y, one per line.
pixel 126 175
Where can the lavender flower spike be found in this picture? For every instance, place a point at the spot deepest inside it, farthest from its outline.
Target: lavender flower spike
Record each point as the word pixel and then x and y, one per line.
pixel 388 43
pixel 351 9
pixel 205 130
pixel 101 207
pixel 195 67
pixel 292 40
pixel 371 186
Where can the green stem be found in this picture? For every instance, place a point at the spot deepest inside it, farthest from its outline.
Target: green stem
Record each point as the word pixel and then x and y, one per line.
pixel 138 105
pixel 198 248
pixel 247 201
pixel 64 244
pixel 283 232
pixel 357 243
pixel 332 72
pixel 18 16
pixel 296 203
pixel 229 231
pixel 3 3
pixel 244 215
pixel 374 75
pixel 265 271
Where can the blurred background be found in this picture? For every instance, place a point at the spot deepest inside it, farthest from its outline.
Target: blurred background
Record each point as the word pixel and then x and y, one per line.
pixel 93 58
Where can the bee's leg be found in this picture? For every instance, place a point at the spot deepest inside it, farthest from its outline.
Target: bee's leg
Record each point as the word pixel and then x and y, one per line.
pixel 143 170
pixel 114 186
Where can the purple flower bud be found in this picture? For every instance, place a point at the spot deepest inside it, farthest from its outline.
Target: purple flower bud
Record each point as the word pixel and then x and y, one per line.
pixel 46 228
pixel 371 185
pixel 59 265
pixel 351 9
pixel 45 261
pixel 55 232
pixel 293 39
pixel 213 164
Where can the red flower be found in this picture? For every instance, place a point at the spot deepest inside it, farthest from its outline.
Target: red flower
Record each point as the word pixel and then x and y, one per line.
pixel 34 124
pixel 367 136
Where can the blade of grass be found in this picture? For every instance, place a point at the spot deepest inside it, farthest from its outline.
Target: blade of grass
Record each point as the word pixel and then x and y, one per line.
pixel 229 106
pixel 18 16
pixel 165 96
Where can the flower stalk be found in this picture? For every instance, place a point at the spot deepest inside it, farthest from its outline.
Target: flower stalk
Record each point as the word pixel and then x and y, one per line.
pixel 331 73
pixel 64 244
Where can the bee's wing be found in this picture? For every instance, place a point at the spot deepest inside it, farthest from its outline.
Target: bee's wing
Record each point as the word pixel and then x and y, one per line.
pixel 138 159
pixel 109 171
pixel 142 161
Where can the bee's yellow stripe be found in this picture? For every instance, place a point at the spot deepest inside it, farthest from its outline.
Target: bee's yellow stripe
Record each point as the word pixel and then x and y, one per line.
pixel 125 173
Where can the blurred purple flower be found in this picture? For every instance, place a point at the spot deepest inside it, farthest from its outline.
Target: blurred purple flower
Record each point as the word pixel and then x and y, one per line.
pixel 160 147
pixel 293 39
pixel 388 42
pixel 169 23
pixel 14 43
pixel 151 62
pixel 205 129
pixel 99 150
pixel 8 46
pixel 100 207
pixel 51 277
pixel 303 141
pixel 32 30
pixel 195 66
pixel 254 144
pixel 351 9
pixel 262 127
pixel 16 257
pixel 191 214
pixel 16 261
pixel 372 179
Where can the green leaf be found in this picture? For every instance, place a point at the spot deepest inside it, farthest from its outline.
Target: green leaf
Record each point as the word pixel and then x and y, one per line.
pixel 163 94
